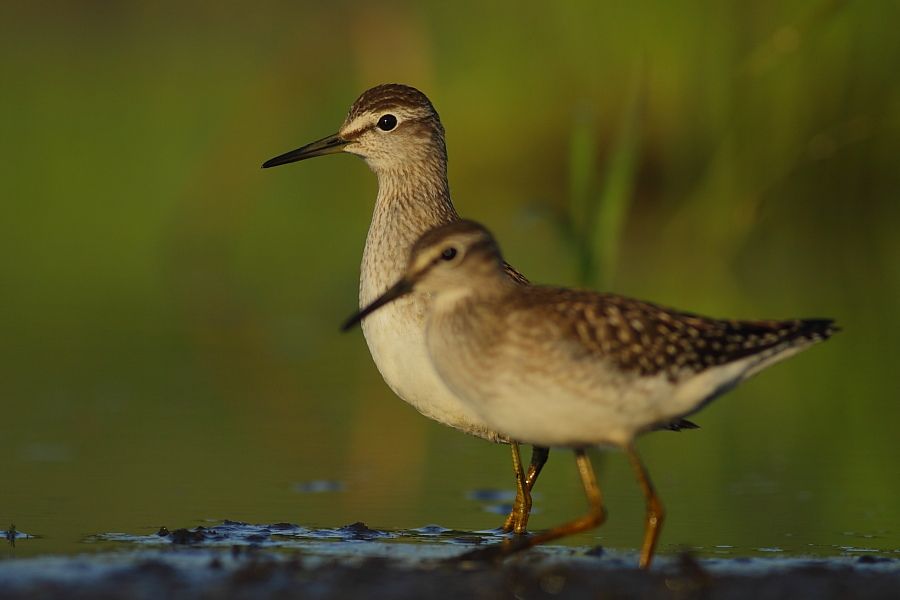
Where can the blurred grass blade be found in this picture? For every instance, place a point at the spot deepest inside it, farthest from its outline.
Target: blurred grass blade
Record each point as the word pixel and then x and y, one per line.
pixel 582 172
pixel 608 217
pixel 582 188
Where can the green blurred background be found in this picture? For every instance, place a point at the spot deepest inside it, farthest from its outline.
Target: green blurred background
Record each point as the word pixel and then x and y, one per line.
pixel 169 311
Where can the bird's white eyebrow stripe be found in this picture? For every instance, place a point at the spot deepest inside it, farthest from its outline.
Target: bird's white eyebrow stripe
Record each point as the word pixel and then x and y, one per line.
pixel 361 124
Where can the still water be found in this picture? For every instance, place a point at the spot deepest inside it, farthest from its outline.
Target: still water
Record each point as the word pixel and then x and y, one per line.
pixel 138 453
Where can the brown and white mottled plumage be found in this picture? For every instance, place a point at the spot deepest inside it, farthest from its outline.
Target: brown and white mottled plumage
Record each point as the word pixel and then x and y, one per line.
pixel 644 365
pixel 561 367
pixel 397 131
pixel 648 339
pixel 410 161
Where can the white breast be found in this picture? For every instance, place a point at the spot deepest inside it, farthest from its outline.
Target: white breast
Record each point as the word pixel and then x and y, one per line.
pixel 395 335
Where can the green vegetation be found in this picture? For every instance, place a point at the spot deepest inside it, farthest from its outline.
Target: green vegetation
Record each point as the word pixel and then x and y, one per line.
pixel 169 314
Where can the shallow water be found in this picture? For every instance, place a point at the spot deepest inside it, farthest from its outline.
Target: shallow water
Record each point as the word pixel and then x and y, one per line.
pixel 340 540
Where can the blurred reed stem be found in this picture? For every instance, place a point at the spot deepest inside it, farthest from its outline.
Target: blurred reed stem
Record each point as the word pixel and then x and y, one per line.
pixel 598 207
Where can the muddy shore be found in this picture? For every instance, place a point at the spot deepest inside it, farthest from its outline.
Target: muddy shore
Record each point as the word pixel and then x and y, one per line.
pixel 243 561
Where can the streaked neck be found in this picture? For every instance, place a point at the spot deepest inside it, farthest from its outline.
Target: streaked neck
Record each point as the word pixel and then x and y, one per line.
pixel 411 200
pixel 416 194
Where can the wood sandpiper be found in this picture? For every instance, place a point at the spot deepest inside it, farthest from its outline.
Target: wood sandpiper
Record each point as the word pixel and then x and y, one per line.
pixel 562 367
pixel 397 131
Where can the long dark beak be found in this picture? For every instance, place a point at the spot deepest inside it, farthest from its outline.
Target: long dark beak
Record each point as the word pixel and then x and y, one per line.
pixel 400 289
pixel 329 145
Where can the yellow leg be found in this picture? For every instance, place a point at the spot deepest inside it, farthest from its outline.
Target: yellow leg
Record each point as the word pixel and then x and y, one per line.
pixel 517 521
pixel 595 517
pixel 596 514
pixel 655 511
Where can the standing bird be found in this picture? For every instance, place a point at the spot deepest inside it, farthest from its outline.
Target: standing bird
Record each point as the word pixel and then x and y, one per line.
pixel 560 367
pixel 397 131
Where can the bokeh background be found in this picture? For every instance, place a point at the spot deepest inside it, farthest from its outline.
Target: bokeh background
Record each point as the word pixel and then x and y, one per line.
pixel 169 346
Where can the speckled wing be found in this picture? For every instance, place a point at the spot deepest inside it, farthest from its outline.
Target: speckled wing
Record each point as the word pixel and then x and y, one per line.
pixel 648 339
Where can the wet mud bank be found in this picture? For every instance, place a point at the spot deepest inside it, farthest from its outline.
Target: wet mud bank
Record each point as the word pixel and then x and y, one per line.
pixel 262 574
pixel 237 560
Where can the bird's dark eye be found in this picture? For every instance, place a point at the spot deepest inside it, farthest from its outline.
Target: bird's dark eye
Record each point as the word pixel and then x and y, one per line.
pixel 448 253
pixel 387 122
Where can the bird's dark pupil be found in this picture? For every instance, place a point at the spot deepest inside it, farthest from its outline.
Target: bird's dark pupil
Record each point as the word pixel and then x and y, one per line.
pixel 387 122
pixel 449 254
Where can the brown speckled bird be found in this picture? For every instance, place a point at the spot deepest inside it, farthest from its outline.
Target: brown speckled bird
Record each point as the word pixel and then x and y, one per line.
pixel 560 367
